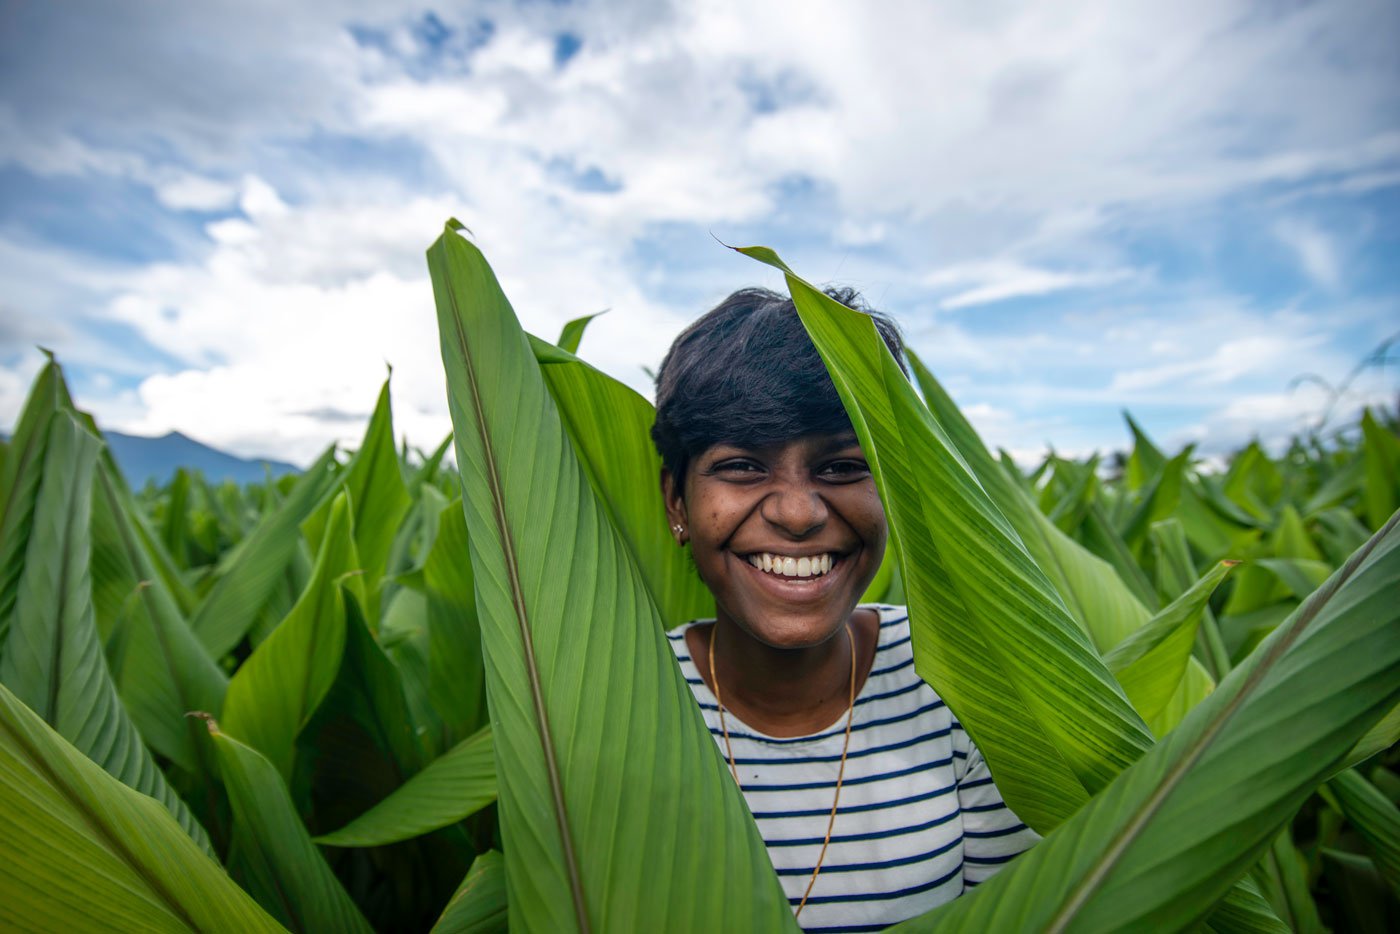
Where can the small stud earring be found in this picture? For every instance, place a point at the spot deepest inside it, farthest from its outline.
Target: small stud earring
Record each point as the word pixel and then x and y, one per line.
pixel 679 529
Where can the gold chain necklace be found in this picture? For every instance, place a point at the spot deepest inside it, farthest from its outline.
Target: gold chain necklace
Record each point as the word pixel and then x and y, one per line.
pixel 840 774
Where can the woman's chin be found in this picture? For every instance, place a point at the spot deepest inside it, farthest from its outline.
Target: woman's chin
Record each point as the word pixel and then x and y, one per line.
pixel 795 635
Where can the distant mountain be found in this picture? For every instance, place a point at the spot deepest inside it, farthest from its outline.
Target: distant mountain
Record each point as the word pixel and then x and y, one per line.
pixel 142 459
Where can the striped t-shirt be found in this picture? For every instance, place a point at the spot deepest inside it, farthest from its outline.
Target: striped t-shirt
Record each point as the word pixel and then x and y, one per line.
pixel 919 818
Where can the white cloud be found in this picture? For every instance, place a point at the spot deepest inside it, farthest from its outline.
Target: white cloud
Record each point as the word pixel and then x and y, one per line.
pixel 1316 251
pixel 195 193
pixel 999 280
pixel 1226 364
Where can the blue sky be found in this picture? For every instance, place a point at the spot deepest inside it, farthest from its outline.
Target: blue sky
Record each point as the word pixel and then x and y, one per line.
pixel 215 214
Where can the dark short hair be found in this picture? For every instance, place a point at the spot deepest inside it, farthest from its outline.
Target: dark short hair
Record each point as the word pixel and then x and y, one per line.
pixel 747 373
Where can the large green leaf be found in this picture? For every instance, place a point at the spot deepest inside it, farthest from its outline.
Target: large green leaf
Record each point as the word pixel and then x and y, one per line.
pixel 479 904
pixel 53 658
pixel 271 849
pixel 609 426
pixel 456 785
pixel 1095 596
pixel 1149 853
pixel 589 711
pixel 379 498
pixel 19 482
pixel 80 851
pixel 991 633
pixel 274 693
pixel 248 574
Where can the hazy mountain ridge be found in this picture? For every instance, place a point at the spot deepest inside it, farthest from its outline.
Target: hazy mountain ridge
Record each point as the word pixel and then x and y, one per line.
pixel 144 459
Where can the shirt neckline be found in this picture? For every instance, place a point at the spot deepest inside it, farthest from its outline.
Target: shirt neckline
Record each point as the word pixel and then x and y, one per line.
pixel 746 731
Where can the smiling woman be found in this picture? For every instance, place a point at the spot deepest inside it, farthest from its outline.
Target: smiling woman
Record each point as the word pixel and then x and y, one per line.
pixel 872 801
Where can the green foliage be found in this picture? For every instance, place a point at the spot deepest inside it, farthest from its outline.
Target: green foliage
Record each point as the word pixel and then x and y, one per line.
pixel 446 700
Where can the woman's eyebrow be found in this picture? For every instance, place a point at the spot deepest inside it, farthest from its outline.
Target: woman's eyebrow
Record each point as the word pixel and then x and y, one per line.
pixel 841 442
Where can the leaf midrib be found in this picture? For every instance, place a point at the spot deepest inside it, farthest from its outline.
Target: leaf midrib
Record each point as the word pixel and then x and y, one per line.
pixel 521 614
pixel 1310 610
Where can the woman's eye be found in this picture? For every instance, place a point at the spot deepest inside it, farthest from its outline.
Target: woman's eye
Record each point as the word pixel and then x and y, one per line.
pixel 846 470
pixel 739 468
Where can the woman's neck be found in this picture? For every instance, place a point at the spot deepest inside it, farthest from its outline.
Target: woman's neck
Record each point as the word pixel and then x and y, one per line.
pixel 785 692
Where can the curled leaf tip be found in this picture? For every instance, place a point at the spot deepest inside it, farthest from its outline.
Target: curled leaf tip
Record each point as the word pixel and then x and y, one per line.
pixel 1230 562
pixel 208 719
pixel 456 226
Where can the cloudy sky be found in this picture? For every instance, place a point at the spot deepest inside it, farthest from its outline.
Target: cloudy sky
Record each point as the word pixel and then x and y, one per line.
pixel 215 213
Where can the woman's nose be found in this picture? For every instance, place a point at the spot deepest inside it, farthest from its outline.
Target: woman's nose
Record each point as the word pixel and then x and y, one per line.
pixel 795 507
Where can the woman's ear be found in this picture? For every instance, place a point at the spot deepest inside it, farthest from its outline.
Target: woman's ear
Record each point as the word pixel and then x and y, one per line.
pixel 676 515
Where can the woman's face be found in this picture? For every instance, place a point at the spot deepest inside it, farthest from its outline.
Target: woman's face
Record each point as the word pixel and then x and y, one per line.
pixel 787 536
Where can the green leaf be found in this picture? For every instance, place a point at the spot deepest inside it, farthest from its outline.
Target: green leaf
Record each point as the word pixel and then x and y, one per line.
pixel 1148 852
pixel 1175 575
pixel 609 426
pixel 990 631
pixel 1159 501
pixel 1287 881
pixel 1252 483
pixel 53 659
pixel 274 693
pixel 456 673
pixel 1094 595
pixel 1365 904
pixel 379 497
pixel 428 471
pixel 1151 662
pixel 572 333
pixel 479 904
pixel 1299 576
pixel 1146 462
pixel 280 865
pixel 589 711
pixel 1380 737
pixel 80 851
pixel 1375 817
pixel 360 744
pixel 175 529
pixel 247 574
pixel 1381 452
pixel 1337 488
pixel 454 786
pixel 1339 533
pixel 167 672
pixel 19 482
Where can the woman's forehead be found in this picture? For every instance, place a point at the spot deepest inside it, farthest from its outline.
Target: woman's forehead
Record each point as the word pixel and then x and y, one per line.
pixel 815 444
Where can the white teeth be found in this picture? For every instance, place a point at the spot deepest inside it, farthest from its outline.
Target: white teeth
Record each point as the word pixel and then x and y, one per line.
pixel 784 566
